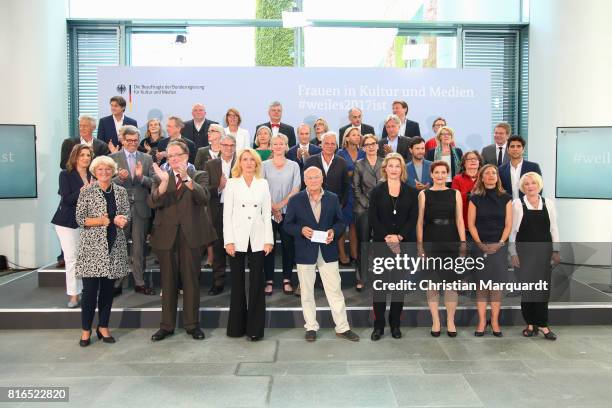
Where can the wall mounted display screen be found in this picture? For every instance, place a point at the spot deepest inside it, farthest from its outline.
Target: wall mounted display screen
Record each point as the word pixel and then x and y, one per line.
pixel 18 161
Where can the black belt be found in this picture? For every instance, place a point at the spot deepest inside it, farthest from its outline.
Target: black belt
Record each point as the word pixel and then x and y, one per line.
pixel 440 221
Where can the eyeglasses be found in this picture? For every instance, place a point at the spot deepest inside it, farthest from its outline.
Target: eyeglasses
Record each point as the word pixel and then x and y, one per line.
pixel 227 145
pixel 472 159
pixel 130 140
pixel 370 144
pixel 174 156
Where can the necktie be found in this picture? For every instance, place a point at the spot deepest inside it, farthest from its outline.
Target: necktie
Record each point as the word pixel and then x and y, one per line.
pixel 499 156
pixel 275 125
pixel 131 163
pixel 179 183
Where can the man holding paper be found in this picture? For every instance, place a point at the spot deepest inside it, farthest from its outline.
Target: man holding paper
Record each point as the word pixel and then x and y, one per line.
pixel 314 219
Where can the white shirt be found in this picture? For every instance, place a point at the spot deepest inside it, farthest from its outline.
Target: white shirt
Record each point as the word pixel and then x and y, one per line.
pixel 90 143
pixel 447 158
pixel 497 151
pixel 402 130
pixel 326 166
pixel 275 129
pixel 213 155
pixel 226 168
pixel 517 218
pixel 243 138
pixel 515 177
pixel 197 125
pixel 118 123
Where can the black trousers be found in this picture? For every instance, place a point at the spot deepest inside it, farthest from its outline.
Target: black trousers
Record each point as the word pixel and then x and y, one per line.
pixel 96 291
pixel 219 254
pixel 535 313
pixel 243 319
pixel 364 233
pixel 288 251
pixel 395 314
pixel 180 263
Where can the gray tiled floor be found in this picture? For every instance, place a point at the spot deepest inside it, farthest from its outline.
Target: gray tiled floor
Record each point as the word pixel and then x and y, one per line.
pixel 284 371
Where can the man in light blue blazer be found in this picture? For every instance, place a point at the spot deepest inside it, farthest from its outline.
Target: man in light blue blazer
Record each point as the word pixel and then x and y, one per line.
pixel 419 175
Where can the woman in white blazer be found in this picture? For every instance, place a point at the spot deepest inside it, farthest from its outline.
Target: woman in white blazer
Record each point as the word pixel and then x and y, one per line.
pixel 247 233
pixel 534 247
pixel 243 137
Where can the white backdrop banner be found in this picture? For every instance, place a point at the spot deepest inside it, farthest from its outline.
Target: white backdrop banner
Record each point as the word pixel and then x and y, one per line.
pixel 462 96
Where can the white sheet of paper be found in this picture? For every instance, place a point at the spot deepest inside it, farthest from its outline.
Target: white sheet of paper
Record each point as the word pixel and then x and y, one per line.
pixel 319 237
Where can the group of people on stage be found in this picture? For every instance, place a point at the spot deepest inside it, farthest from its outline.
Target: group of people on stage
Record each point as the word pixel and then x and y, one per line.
pixel 205 190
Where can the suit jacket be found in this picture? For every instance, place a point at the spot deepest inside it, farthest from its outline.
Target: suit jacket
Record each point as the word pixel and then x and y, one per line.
pixel 402 147
pixel 107 130
pixel 247 214
pixel 202 156
pixel 185 208
pixel 426 177
pixel 215 171
pixel 365 129
pixel 382 219
pixel 337 179
pixel 412 129
pixel 138 189
pixel 70 184
pixel 163 145
pixel 99 147
pixel 299 214
pixel 430 155
pixel 489 154
pixel 292 154
pixel 284 128
pixel 506 178
pixel 200 139
pixel 365 178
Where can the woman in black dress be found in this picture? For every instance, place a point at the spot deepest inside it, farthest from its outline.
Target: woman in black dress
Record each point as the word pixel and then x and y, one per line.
pixel 534 232
pixel 439 231
pixel 490 223
pixel 392 214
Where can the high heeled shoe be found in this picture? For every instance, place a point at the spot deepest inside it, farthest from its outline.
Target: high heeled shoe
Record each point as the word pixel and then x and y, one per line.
pixel 109 339
pixel 530 333
pixel 495 333
pixel 548 336
pixel 86 342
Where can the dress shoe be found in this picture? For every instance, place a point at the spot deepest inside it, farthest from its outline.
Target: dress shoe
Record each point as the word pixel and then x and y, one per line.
pixel 287 288
pixel 396 333
pixel 73 305
pixel 161 334
pixel 87 342
pixel 435 333
pixel 255 338
pixel 451 333
pixel 215 290
pixel 376 334
pixel 311 335
pixel 117 291
pixel 144 290
pixel 196 333
pixel 479 333
pixel 495 333
pixel 548 336
pixel 348 335
pixel 530 333
pixel 109 339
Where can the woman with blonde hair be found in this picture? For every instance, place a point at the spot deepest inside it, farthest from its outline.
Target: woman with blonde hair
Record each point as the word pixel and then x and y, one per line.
pixel 320 127
pixel 393 216
pixel 446 152
pixel 263 139
pixel 152 137
pixel 247 234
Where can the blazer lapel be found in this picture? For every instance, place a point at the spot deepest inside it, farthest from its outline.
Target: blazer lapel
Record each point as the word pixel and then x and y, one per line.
pixel 309 207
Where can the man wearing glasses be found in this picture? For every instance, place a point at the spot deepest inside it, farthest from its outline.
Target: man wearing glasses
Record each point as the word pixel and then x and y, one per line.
pixel 219 171
pixel 134 174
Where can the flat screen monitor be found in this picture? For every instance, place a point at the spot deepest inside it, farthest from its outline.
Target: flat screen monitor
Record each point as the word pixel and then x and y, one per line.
pixel 18 161
pixel 584 162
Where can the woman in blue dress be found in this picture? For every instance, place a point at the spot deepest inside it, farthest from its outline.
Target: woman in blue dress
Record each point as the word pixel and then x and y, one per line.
pixel 351 152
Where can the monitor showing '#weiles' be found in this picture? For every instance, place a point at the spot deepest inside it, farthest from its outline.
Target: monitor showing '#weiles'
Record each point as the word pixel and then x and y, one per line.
pixel 584 162
pixel 18 161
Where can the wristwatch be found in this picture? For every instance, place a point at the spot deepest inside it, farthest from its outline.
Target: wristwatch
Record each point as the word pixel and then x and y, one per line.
pixel 187 180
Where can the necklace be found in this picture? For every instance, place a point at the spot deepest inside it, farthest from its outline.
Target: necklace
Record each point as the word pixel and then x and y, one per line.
pixel 110 190
pixel 394 201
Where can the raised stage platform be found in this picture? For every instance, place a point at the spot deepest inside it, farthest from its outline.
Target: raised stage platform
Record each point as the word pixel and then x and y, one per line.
pixel 37 300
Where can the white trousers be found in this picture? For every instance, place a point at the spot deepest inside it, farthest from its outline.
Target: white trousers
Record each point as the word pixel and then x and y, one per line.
pixel 69 240
pixel 330 275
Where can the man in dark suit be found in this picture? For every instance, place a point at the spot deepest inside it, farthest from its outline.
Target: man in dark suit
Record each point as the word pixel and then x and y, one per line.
pixel 333 167
pixel 511 172
pixel 196 129
pixel 355 116
pixel 87 125
pixel 135 171
pixel 275 112
pixel 311 213
pixel 497 153
pixel 174 124
pixel 304 149
pixel 219 170
pixel 393 142
pixel 212 151
pixel 108 129
pixel 408 127
pixel 180 230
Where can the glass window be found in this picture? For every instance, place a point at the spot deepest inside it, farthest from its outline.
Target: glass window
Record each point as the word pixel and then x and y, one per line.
pixel 204 46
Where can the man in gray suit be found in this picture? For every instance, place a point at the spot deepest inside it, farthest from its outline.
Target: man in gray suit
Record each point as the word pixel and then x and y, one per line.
pixel 497 153
pixel 134 174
